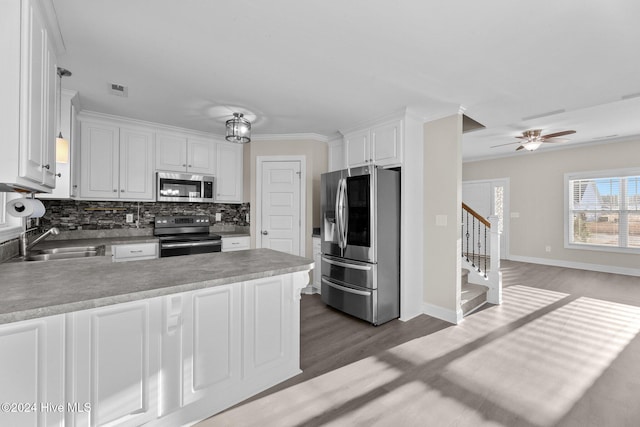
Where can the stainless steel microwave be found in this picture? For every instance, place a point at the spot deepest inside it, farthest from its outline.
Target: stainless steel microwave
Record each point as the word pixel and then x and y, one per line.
pixel 184 187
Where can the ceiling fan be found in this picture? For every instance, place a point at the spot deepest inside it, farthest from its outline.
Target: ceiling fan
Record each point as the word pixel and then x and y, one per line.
pixel 534 139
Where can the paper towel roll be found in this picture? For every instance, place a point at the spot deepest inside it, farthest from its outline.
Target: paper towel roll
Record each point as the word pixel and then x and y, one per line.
pixel 20 208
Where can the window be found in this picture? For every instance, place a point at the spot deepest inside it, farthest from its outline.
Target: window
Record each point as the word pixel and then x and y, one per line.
pixel 603 210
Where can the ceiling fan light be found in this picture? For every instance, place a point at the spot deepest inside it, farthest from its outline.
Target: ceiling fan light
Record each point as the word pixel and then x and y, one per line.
pixel 533 145
pixel 238 129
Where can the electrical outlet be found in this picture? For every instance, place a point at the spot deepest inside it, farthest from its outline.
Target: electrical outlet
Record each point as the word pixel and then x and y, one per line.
pixel 547 248
pixel 218 217
pixel 129 218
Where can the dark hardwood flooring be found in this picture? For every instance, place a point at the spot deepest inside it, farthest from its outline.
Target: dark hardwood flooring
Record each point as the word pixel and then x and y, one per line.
pixel 562 350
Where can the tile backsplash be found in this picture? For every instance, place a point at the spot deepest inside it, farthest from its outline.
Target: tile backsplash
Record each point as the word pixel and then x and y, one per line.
pixel 70 215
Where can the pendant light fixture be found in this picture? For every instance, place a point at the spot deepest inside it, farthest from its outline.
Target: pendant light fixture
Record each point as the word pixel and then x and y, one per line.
pixel 238 129
pixel 62 145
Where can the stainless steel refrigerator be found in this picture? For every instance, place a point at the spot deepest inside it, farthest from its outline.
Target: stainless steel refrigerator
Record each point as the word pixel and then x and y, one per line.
pixel 360 237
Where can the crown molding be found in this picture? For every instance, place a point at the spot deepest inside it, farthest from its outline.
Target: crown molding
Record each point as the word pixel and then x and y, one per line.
pixel 291 137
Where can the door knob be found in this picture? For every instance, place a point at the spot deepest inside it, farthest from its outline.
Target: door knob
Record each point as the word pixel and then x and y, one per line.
pixel 265 232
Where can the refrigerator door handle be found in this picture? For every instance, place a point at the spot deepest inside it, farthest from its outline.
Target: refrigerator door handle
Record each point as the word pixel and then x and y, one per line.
pixel 337 214
pixel 345 215
pixel 345 289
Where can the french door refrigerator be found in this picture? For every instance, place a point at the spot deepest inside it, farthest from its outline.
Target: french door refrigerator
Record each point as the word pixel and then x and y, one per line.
pixel 360 238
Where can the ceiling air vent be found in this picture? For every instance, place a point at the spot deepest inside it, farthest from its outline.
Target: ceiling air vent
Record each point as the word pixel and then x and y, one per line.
pixel 118 90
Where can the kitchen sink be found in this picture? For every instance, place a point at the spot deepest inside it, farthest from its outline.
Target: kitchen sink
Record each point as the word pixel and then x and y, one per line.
pixel 66 253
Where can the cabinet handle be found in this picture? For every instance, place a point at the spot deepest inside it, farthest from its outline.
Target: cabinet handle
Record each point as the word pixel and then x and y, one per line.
pixel 265 232
pixel 189 165
pixel 122 191
pixel 115 191
pixel 184 166
pixel 59 175
pixel 136 252
pixel 46 166
pixel 75 186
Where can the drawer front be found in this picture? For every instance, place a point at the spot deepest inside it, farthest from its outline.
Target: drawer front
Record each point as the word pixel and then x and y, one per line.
pixel 235 243
pixel 356 302
pixel 350 272
pixel 134 251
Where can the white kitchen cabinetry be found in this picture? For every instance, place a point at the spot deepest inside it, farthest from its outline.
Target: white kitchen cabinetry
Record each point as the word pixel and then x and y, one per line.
pixel 134 251
pixel 236 243
pixel 113 363
pixel 336 155
pixel 317 260
pixel 181 153
pixel 228 172
pixel 31 368
pixel 117 163
pixel 380 144
pixel 27 105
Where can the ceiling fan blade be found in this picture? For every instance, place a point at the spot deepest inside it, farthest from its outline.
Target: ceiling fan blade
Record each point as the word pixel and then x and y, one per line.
pixel 502 145
pixel 554 140
pixel 520 148
pixel 553 135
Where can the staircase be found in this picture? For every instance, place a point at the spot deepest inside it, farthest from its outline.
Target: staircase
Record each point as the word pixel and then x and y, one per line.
pixel 472 297
pixel 480 273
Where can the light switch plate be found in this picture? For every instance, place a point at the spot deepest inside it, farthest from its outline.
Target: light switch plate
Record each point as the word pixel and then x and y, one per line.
pixel 129 218
pixel 218 217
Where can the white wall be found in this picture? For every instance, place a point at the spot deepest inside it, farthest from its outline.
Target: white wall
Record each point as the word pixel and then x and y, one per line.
pixel 442 207
pixel 537 195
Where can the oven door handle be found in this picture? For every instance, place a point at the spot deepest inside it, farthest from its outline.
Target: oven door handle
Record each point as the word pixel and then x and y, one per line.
pixel 190 244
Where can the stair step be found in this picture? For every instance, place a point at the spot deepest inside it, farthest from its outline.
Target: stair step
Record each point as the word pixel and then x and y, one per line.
pixel 472 297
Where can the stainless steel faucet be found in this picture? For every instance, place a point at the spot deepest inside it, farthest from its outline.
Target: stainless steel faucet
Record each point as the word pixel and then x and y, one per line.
pixel 24 240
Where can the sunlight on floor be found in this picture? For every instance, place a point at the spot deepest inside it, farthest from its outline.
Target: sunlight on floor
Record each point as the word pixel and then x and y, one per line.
pixel 526 362
pixel 540 370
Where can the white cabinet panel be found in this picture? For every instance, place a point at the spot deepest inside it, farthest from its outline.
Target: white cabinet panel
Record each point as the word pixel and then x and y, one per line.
pixel 267 324
pixel 115 364
pixel 336 157
pixel 212 342
pixel 117 163
pixel 358 148
pixel 181 153
pixel 201 156
pixel 31 367
pixel 134 252
pixel 99 174
pixel 229 172
pixel 27 114
pixel 136 164
pixel 317 255
pixel 385 140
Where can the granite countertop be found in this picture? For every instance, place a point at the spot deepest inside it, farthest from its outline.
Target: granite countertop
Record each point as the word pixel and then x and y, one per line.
pixel 38 289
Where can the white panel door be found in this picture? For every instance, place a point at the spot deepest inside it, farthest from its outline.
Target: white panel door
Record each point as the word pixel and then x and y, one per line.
pixel 212 342
pixel 281 208
pixel 136 164
pixel 358 148
pixel 115 365
pixel 31 369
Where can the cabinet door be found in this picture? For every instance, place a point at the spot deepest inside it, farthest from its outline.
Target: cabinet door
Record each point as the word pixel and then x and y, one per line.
pixel 317 260
pixel 336 157
pixel 267 325
pixel 212 342
pixel 171 152
pixel 100 158
pixel 33 82
pixel 201 155
pixel 114 363
pixel 358 148
pixel 49 115
pixel 386 140
pixel 31 368
pixel 228 173
pixel 136 164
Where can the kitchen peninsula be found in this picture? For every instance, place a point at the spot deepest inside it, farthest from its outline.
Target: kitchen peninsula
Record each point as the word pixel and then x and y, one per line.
pixel 168 341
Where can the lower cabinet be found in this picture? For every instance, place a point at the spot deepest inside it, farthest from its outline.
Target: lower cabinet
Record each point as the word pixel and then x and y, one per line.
pixel 317 261
pixel 113 363
pixel 31 369
pixel 238 243
pixel 167 361
pixel 134 251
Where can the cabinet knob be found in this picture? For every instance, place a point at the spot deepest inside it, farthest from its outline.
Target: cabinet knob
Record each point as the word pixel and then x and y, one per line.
pixel 122 191
pixel 59 175
pixel 75 186
pixel 265 232
pixel 46 166
pixel 115 191
pixel 184 166
pixel 189 165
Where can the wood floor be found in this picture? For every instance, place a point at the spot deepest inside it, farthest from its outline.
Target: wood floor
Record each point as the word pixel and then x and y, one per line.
pixel 562 350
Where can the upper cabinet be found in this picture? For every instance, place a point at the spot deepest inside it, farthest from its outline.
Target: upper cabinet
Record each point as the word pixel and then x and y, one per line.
pixel 380 144
pixel 180 153
pixel 27 105
pixel 229 172
pixel 117 162
pixel 336 155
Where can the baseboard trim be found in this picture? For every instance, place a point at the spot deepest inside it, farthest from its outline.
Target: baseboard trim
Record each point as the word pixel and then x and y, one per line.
pixel 451 316
pixel 578 265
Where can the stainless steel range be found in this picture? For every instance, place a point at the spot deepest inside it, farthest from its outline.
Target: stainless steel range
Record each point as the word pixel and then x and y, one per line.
pixel 185 235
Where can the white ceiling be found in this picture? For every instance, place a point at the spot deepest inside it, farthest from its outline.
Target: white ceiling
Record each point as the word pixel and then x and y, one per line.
pixel 320 66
